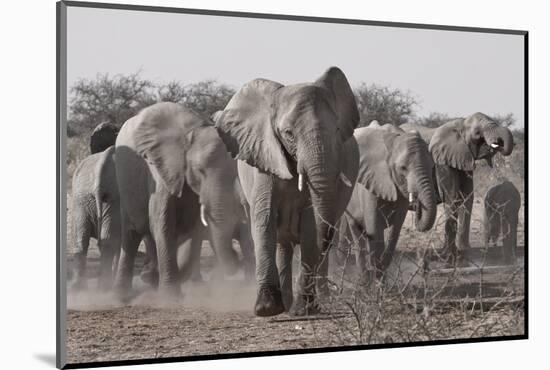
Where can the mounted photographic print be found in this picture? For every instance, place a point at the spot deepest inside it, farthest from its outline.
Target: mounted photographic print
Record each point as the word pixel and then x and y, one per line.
pixel 238 184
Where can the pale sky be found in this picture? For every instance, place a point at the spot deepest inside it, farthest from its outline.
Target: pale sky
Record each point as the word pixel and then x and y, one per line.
pixel 452 72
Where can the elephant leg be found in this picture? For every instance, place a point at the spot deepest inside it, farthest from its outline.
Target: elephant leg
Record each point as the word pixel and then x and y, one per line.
pixel 189 256
pixel 109 248
pixel 149 272
pixel 83 234
pixel 106 265
pixel 196 275
pixel 124 275
pixel 263 211
pixel 247 249
pixel 341 249
pixel 359 240
pixel 509 239
pixel 451 216
pixel 376 246
pixel 393 236
pixel 375 238
pixel 305 303
pixel 486 227
pixel 163 226
pixel 322 270
pixel 493 230
pixel 449 186
pixel 285 252
pixel 465 214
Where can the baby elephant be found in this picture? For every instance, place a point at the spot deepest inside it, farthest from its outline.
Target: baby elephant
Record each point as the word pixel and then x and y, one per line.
pixel 502 203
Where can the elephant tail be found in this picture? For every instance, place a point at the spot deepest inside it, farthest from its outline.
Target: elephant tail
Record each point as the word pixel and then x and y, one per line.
pixel 99 187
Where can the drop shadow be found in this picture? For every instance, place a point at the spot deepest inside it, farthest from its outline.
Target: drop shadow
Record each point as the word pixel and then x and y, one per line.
pixel 47 358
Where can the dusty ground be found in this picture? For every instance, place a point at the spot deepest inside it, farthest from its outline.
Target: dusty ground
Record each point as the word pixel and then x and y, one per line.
pixel 480 299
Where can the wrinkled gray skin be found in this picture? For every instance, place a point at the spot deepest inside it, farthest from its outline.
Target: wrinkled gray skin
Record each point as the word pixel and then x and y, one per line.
pixel 455 146
pixel 395 170
pixel 281 134
pixel 169 163
pixel 502 203
pixel 95 193
pixel 241 233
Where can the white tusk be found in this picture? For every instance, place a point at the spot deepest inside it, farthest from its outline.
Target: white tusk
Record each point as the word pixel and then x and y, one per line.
pixel 300 182
pixel 203 218
pixel 411 197
pixel 494 145
pixel 345 180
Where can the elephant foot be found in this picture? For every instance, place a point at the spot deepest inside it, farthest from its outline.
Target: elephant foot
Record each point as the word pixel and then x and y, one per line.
pixel 170 293
pixel 305 305
pixel 150 276
pixel 269 302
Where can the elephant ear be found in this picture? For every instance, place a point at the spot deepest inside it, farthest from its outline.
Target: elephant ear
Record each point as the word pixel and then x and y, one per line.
pixel 162 138
pixel 448 146
pixel 374 169
pixel 103 136
pixel 246 128
pixel 336 82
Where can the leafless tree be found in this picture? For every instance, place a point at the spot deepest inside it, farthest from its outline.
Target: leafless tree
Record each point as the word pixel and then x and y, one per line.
pixel 386 105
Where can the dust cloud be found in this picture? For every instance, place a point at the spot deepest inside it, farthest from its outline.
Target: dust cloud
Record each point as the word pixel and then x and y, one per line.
pixel 219 295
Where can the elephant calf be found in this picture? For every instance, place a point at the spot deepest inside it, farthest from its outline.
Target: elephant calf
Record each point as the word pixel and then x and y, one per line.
pixel 502 203
pixel 395 171
pixel 95 206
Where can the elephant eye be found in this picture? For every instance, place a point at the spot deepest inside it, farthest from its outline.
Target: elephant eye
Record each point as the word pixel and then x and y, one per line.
pixel 288 135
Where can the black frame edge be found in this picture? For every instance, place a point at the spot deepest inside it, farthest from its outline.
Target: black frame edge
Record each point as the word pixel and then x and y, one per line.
pixel 61 92
pixel 304 351
pixel 289 17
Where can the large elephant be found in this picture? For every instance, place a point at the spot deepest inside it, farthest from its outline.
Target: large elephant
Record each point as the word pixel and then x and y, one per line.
pixel 502 203
pixel 455 146
pixel 298 163
pixel 395 171
pixel 95 205
pixel 172 169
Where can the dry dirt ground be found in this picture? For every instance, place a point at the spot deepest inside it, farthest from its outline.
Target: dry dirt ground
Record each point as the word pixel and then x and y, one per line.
pixel 479 299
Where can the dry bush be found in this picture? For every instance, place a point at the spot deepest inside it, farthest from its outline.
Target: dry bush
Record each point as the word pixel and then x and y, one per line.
pixel 421 297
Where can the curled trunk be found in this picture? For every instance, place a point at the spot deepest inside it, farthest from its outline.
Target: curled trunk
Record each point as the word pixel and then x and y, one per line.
pixel 502 136
pixel 426 209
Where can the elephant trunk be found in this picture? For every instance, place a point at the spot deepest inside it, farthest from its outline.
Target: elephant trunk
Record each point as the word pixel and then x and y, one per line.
pixel 322 176
pixel 426 209
pixel 502 137
pixel 218 212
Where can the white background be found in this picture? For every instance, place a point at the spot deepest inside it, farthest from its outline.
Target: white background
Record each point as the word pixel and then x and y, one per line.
pixel 27 186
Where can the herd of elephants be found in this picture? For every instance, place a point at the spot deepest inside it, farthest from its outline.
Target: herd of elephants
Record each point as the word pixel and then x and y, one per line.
pixel 279 167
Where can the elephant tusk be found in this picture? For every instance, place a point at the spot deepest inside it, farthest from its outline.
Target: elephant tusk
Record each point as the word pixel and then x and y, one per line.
pixel 203 218
pixel 411 197
pixel 345 180
pixel 300 182
pixel 493 145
